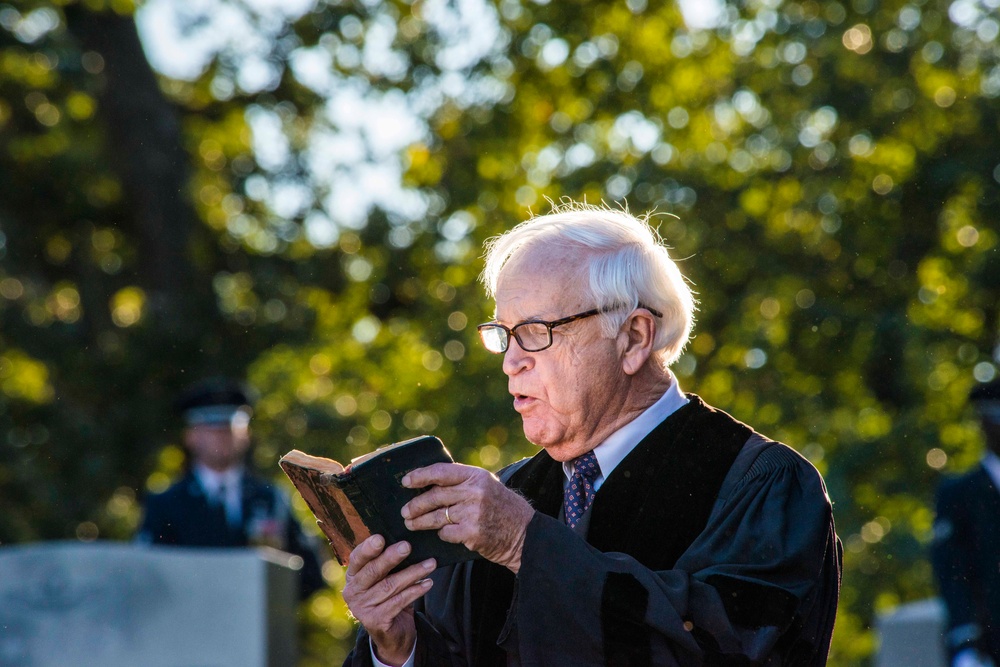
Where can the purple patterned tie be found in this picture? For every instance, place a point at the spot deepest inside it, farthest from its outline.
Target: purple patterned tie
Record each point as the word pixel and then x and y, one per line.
pixel 580 492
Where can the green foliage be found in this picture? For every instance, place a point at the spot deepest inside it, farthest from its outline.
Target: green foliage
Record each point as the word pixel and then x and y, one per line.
pixel 829 170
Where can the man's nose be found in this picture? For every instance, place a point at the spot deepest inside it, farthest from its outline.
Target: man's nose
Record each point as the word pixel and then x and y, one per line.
pixel 515 359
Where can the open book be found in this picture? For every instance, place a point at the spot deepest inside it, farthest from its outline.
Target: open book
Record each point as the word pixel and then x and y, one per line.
pixel 365 498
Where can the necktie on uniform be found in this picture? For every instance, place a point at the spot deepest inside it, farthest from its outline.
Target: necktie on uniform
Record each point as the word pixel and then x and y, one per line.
pixel 219 503
pixel 580 492
pixel 230 504
pixel 218 498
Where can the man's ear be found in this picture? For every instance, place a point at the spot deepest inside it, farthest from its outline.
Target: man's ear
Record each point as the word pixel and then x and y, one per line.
pixel 636 339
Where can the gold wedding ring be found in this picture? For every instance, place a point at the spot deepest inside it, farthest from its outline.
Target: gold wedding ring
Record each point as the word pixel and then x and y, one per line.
pixel 447 516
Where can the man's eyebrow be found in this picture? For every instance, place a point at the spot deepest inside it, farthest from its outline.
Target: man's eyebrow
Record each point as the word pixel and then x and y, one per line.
pixel 533 318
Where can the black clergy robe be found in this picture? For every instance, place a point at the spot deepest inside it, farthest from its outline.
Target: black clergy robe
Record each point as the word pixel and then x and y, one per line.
pixel 707 545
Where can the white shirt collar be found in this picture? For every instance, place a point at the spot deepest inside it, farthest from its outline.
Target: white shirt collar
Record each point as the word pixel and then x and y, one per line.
pixel 992 464
pixel 619 444
pixel 212 480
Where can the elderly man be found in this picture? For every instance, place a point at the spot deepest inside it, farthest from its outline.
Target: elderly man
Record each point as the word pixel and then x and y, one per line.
pixel 650 529
pixel 966 547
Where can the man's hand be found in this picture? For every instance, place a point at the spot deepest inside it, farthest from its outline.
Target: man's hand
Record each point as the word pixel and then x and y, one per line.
pixel 383 602
pixel 470 506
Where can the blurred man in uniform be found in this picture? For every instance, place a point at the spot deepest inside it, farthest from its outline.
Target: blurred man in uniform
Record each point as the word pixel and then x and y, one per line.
pixel 966 549
pixel 218 502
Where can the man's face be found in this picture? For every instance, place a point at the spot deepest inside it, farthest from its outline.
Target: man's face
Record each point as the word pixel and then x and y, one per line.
pixel 218 447
pixel 569 395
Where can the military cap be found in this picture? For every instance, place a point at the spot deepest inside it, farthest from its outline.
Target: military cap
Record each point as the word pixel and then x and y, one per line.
pixel 985 391
pixel 215 401
pixel 985 398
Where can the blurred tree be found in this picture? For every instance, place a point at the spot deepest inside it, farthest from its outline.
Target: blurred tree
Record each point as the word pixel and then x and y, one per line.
pixel 95 280
pixel 303 198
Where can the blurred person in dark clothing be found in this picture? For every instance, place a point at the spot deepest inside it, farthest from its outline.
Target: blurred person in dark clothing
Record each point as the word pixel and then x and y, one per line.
pixel 219 502
pixel 966 548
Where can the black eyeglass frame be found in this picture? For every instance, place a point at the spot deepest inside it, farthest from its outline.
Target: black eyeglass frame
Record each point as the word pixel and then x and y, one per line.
pixel 549 326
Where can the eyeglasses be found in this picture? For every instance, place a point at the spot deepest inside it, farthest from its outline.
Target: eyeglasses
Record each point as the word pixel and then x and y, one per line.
pixel 535 335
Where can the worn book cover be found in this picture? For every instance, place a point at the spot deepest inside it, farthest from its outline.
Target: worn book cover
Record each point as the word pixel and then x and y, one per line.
pixel 365 498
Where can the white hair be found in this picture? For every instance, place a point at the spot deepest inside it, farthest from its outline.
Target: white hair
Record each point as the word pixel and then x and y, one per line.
pixel 627 262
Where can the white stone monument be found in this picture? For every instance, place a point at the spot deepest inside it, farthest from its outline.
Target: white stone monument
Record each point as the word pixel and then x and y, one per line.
pixel 912 635
pixel 108 604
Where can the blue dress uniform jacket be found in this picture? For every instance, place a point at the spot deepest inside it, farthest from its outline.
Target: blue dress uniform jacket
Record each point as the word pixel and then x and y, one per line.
pixel 966 558
pixel 183 516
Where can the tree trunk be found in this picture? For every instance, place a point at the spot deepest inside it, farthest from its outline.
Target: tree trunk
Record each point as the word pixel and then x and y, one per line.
pixel 145 144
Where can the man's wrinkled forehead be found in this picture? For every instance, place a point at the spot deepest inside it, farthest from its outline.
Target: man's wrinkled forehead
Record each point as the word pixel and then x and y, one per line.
pixel 552 263
pixel 533 272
